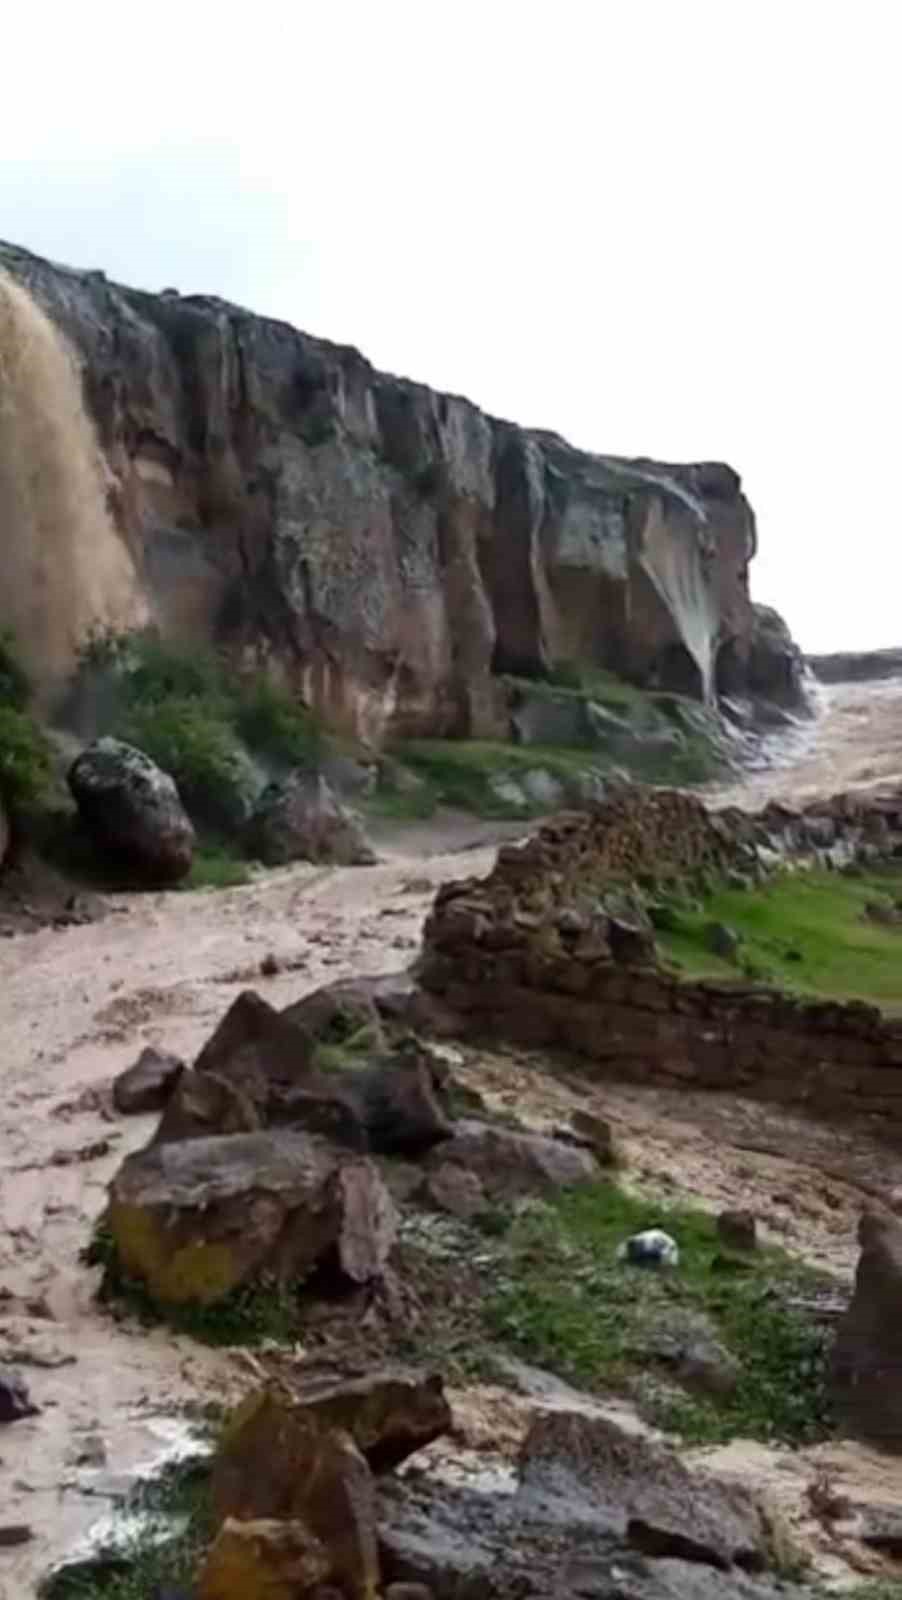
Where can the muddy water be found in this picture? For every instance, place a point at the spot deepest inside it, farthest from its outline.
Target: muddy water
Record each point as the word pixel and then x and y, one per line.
pixel 854 743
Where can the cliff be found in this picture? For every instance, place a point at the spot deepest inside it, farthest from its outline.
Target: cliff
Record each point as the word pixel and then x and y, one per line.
pixel 390 549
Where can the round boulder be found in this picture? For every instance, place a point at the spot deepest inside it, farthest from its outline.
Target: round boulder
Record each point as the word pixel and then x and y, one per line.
pixel 132 810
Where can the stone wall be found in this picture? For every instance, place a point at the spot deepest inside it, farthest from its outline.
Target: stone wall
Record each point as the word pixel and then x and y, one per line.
pixel 535 953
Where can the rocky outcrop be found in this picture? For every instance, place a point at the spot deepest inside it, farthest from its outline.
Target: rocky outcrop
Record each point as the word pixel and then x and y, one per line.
pixel 393 550
pixel 133 811
pixel 299 818
pixel 773 672
pixel 856 666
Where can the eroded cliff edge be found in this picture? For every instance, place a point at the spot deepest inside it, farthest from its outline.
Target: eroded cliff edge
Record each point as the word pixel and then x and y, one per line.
pixel 391 549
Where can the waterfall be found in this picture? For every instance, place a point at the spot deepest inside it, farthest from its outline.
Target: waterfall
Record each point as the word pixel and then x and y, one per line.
pixel 64 569
pixel 673 556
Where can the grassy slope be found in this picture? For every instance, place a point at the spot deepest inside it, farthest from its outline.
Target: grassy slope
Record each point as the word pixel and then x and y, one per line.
pixel 805 931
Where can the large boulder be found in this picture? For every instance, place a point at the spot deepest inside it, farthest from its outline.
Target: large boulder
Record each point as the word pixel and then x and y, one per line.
pixel 300 818
pixel 196 1218
pixel 132 810
pixel 263 1559
pixel 776 667
pixel 866 1373
pixel 261 1051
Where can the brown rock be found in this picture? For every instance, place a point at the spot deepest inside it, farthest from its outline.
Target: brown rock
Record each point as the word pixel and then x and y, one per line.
pixel 195 1218
pixel 451 1188
pixel 570 1460
pixel 132 810
pixel 147 1084
pixel 866 1375
pixel 15 1400
pixel 338 1011
pixel 368 1223
pixel 260 1050
pixel 202 1106
pixel 738 1230
pixel 403 1113
pixel 262 1559
pixel 509 1163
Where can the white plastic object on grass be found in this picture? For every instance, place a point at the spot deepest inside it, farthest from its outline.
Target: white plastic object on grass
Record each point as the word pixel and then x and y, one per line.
pixel 653 1248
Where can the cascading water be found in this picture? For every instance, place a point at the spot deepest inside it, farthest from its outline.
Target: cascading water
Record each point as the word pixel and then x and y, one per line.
pixel 673 557
pixel 64 570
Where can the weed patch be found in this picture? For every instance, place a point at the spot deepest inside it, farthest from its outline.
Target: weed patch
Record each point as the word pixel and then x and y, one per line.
pixel 564 1300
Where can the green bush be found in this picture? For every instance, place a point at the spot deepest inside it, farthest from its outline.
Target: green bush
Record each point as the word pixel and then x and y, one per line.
pixel 25 763
pixel 198 748
pixel 273 724
pixel 15 689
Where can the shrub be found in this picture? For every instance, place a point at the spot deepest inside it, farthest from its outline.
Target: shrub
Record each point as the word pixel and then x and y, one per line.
pixel 25 762
pixel 272 723
pixel 196 745
pixel 15 689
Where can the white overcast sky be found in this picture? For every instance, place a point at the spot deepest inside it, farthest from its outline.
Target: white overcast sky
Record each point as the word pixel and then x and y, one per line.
pixel 659 227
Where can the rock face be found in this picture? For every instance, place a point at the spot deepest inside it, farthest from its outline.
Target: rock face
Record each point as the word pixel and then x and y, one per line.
pixel 133 810
pixel 393 549
pixel 301 819
pixel 866 1373
pixel 856 666
pixel 773 671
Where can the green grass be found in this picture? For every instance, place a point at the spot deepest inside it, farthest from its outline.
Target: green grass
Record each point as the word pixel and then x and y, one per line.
pixel 805 931
pixel 216 867
pixel 459 772
pixel 565 1302
pixel 176 1527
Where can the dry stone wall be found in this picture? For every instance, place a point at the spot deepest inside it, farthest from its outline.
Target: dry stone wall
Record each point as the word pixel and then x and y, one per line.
pixel 533 954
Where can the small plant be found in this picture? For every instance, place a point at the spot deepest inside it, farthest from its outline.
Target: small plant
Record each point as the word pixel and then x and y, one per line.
pixel 15 689
pixel 215 867
pixel 25 763
pixel 273 723
pixel 194 743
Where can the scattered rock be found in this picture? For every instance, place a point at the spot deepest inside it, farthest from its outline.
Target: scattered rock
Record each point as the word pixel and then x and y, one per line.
pixel 15 1400
pixel 263 1052
pixel 147 1083
pixel 451 1188
pixel 866 1374
pixel 195 1218
pixel 270 966
pixel 13 1533
pixel 722 941
pixel 203 1105
pixel 509 1163
pixel 738 1230
pixel 262 1559
pixel 368 1223
pixel 402 1110
pixel 688 1345
pixel 573 1465
pixel 882 912
pixel 338 1012
pixel 652 1248
pixel 597 1135
pixel 300 818
pixel 132 810
pixel 631 944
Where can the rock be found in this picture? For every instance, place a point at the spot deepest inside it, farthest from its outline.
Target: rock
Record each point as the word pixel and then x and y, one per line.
pixel 856 666
pixel 368 1223
pixel 775 670
pixel 738 1230
pixel 132 810
pixel 451 1188
pixel 196 1218
pixel 147 1084
pixel 15 1400
pixel 866 1379
pixel 262 1559
pixel 509 1164
pixel 401 1107
pixel 879 1526
pixel 203 1105
pixel 261 1051
pixel 651 1248
pixel 15 1533
pixel 301 819
pixel 338 1012
pixel 597 1134
pixel 688 1345
pixel 882 912
pixel 571 1462
pixel 389 1412
pixel 631 944
pixel 722 941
